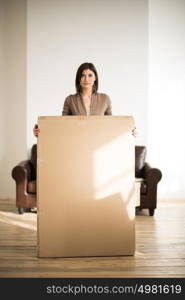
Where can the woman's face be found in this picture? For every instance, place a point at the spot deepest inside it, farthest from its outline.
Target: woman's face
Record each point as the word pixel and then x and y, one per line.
pixel 87 79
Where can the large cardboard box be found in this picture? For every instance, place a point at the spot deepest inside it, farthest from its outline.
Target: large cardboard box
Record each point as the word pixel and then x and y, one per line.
pixel 85 186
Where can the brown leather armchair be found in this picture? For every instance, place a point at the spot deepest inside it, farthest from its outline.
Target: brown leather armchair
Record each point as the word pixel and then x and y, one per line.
pixel 150 178
pixel 25 176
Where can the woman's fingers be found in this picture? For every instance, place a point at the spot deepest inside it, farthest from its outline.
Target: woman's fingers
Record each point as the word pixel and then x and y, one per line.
pixel 36 131
pixel 134 132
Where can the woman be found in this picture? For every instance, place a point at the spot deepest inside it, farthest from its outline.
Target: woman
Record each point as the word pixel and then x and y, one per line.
pixel 86 101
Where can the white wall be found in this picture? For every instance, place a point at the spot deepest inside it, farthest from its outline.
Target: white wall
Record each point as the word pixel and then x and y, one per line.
pixel 13 91
pixel 2 82
pixel 166 122
pixel 44 42
pixel 111 34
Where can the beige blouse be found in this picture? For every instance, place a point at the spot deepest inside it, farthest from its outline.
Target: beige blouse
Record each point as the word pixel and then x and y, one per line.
pixel 100 105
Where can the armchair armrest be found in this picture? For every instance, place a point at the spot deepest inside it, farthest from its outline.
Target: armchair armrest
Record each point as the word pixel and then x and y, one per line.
pixel 22 171
pixel 152 174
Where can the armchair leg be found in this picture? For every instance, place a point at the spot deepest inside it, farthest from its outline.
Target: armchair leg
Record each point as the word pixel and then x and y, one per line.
pixel 151 211
pixel 21 210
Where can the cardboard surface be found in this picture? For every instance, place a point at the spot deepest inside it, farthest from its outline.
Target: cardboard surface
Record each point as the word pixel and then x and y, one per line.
pixel 86 186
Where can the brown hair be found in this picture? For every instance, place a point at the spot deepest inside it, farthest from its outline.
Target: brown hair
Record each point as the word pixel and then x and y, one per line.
pixel 80 70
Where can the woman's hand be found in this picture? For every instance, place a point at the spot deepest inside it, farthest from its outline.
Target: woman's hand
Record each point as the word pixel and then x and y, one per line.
pixel 134 132
pixel 36 130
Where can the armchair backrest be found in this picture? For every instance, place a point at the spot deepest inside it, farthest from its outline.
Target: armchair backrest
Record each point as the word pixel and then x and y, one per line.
pixel 140 156
pixel 33 160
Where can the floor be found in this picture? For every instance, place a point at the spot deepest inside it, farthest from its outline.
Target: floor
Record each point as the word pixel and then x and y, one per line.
pixel 160 247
